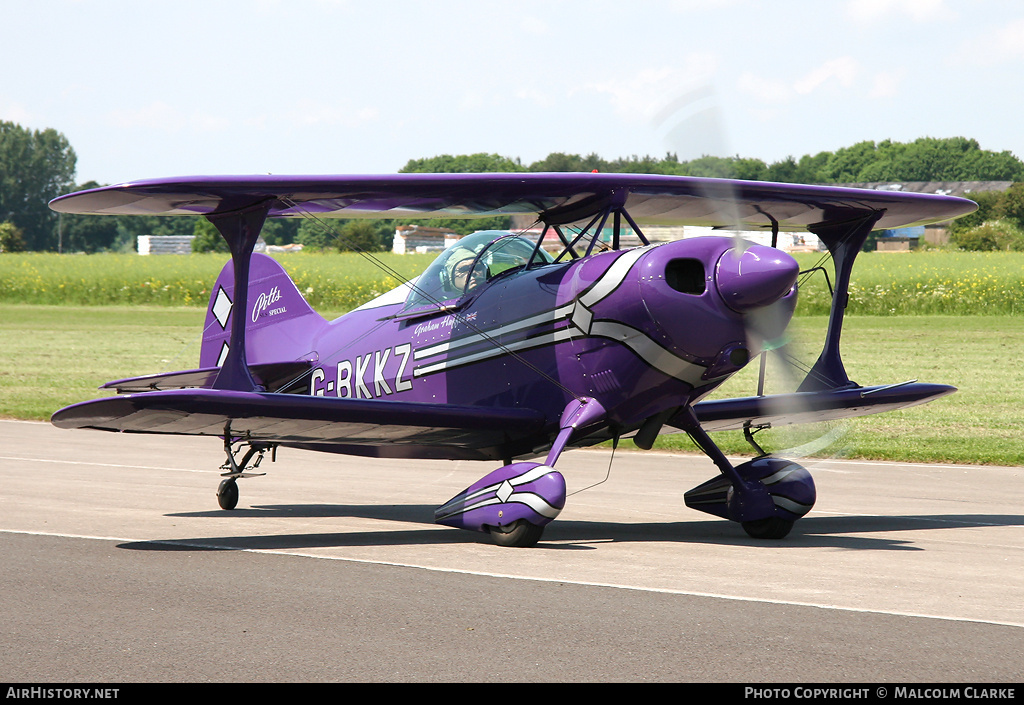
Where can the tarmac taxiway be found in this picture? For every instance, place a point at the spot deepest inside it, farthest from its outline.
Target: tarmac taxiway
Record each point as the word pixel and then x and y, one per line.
pixel 120 567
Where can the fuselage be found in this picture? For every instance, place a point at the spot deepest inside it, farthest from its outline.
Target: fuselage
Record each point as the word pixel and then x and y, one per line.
pixel 642 331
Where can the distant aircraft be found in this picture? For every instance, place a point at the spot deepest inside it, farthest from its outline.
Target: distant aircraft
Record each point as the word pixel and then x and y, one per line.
pixel 501 351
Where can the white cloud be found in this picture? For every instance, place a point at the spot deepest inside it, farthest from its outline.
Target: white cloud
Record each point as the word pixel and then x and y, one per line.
pixel 15 112
pixel 886 83
pixel 1005 43
pixel 686 6
pixel 163 117
pixel 843 70
pixel 917 10
pixel 312 114
pixel 764 90
pixel 534 98
pixel 535 26
pixel 647 92
pixel 158 115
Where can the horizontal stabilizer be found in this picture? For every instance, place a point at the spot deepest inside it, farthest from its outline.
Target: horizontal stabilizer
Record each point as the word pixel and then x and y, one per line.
pixel 390 428
pixel 811 407
pixel 273 376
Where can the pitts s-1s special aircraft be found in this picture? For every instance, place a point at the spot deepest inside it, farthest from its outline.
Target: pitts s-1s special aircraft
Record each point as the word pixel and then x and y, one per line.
pixel 502 351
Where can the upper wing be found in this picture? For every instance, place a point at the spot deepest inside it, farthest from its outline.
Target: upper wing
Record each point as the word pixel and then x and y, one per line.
pixel 359 426
pixel 649 199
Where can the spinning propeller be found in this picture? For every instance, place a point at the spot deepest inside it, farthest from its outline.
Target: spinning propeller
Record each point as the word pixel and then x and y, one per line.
pixel 693 126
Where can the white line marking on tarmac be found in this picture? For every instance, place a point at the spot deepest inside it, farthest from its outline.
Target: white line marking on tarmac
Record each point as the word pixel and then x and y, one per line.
pixel 102 465
pixel 585 583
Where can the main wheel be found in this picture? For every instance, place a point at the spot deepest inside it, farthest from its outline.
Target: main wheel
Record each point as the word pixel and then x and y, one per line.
pixel 227 494
pixel 770 528
pixel 518 534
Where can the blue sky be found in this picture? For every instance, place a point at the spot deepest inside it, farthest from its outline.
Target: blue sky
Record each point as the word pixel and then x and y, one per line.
pixel 153 89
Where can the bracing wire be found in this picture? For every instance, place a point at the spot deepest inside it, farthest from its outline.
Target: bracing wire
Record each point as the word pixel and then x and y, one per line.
pixel 607 474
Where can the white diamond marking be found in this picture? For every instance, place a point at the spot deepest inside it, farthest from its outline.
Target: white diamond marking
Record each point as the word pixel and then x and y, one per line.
pixel 222 308
pixel 505 491
pixel 223 354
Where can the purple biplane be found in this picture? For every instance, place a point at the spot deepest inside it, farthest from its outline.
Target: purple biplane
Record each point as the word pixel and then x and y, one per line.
pixel 503 351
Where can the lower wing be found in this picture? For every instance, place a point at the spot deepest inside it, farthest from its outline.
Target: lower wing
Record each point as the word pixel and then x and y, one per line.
pixel 809 407
pixel 356 426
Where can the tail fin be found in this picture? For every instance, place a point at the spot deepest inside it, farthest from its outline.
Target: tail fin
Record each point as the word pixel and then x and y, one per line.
pixel 280 325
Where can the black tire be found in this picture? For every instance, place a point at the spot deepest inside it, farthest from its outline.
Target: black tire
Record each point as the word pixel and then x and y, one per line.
pixel 227 494
pixel 519 534
pixel 770 528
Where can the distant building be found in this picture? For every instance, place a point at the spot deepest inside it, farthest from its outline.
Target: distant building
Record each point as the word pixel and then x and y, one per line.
pixel 963 189
pixel 165 244
pixel 417 239
pixel 889 240
pixel 938 233
pixel 791 242
pixel 294 247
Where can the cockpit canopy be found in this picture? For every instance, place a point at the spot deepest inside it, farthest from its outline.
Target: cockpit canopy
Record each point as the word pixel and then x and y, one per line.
pixel 472 261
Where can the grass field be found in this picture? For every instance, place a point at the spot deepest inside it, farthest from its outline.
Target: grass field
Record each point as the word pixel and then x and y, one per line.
pixel 57 355
pixel 981 423
pixel 69 323
pixel 930 282
pixel 336 281
pixel 936 282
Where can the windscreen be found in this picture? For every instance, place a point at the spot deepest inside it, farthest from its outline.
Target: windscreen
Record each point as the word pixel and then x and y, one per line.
pixel 471 262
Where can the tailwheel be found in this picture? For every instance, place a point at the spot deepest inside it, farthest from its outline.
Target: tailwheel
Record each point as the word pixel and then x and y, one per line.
pixel 518 534
pixel 227 494
pixel 770 528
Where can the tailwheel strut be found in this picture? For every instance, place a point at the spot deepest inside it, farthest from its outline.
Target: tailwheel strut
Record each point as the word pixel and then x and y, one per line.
pixel 227 492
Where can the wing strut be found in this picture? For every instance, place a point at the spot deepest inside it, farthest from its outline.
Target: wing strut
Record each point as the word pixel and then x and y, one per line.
pixel 844 240
pixel 598 208
pixel 241 229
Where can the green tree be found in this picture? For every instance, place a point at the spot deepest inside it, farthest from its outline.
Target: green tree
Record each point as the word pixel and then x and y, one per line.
pixel 462 164
pixel 207 237
pixel 633 165
pixel 36 166
pixel 314 235
pixel 129 227
pixel 991 235
pixel 86 233
pixel 805 170
pixel 989 208
pixel 561 162
pixel 846 164
pixel 361 236
pixel 11 239
pixel 924 159
pixel 281 231
pixel 1011 204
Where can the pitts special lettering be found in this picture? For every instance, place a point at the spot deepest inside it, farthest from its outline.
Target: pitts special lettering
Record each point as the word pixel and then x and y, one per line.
pixel 364 378
pixel 264 301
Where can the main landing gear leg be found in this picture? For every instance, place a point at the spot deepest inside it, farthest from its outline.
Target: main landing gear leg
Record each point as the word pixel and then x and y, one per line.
pixel 227 492
pixel 515 502
pixel 765 495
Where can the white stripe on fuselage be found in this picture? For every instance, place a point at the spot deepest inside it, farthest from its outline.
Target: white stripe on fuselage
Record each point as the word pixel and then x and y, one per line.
pixel 581 322
pixel 547 317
